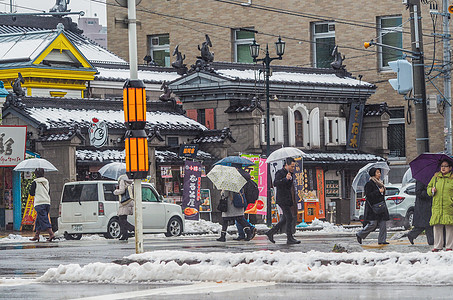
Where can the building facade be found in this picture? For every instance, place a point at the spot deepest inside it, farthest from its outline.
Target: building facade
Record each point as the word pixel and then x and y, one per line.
pixel 311 29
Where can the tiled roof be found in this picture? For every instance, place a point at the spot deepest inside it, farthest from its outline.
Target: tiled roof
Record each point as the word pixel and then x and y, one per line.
pixel 340 157
pixel 120 155
pixel 248 106
pixel 214 136
pixel 375 109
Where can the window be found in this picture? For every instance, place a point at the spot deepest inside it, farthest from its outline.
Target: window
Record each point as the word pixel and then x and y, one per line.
pixel 299 125
pixel 159 49
pixel 334 131
pixel 205 117
pixel 389 33
pixel 80 192
pixel 396 135
pixel 323 44
pixel 173 141
pixel 275 132
pixel 108 192
pixel 242 41
pixel 148 195
pixel 303 127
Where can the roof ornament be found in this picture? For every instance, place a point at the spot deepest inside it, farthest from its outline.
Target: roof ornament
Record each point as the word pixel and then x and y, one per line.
pixel 17 85
pixel 337 64
pixel 179 65
pixel 60 27
pixel 60 6
pixel 202 63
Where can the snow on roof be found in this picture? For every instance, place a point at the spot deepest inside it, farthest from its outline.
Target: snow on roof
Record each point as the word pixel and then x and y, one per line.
pixel 293 77
pixel 124 74
pixel 120 155
pixel 318 156
pixel 59 117
pixel 24 46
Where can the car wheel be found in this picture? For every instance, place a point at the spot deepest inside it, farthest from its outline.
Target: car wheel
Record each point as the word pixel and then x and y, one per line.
pixel 113 229
pixel 72 236
pixel 409 220
pixel 174 227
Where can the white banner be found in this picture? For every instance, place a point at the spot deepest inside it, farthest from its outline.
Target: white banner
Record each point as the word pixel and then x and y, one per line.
pixel 12 145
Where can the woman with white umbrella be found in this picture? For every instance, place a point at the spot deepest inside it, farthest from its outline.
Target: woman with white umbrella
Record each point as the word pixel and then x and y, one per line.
pixel 40 190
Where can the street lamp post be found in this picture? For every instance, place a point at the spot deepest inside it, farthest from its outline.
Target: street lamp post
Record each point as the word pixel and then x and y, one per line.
pixel 254 52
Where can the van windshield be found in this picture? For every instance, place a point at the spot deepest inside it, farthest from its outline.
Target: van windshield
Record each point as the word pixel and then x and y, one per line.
pixel 80 193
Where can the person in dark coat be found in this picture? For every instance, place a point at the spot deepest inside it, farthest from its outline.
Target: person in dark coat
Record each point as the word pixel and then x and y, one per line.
pixel 374 193
pixel 422 214
pixel 285 193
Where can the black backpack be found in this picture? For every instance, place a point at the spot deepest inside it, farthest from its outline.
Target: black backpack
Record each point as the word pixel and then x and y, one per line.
pixel 251 191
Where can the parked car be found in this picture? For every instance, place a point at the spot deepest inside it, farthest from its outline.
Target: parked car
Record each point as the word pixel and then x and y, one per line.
pixel 90 207
pixel 400 202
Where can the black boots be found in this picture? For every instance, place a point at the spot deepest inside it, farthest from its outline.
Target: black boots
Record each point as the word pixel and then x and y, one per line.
pixel 248 233
pixel 291 240
pixel 222 237
pixel 270 234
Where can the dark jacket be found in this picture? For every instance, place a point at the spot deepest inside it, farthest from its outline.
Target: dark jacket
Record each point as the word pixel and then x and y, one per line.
pixel 284 187
pixel 423 205
pixel 373 196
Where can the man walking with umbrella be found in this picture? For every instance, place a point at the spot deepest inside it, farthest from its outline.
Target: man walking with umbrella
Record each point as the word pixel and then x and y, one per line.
pixel 285 194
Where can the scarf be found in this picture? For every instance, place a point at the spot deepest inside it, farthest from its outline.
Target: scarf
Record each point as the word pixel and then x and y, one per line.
pixel 378 182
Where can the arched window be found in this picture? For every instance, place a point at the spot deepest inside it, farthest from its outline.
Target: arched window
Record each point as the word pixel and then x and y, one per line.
pixel 299 129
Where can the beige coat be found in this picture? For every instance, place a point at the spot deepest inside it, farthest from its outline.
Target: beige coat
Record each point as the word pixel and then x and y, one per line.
pixel 127 208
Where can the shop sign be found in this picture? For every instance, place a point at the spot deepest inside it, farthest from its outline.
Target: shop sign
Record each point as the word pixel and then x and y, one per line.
pixel 165 172
pixel 262 186
pixel 355 126
pixel 189 150
pixel 12 145
pixel 205 205
pixel 192 194
pixel 253 170
pixel 98 133
pixel 332 188
pixel 299 184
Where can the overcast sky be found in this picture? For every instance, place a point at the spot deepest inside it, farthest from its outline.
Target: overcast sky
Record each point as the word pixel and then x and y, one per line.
pixel 91 8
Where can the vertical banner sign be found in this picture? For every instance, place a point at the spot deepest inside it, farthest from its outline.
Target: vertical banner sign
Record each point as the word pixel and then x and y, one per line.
pixel 191 196
pixel 12 145
pixel 262 186
pixel 29 212
pixel 299 184
pixel 254 170
pixel 321 194
pixel 355 126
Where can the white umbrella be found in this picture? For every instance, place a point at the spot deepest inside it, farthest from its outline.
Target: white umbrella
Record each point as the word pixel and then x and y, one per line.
pixel 284 153
pixel 407 178
pixel 113 170
pixel 226 178
pixel 363 177
pixel 31 164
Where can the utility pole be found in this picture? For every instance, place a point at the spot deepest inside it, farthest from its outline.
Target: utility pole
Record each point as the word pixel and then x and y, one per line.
pixel 421 115
pixel 447 76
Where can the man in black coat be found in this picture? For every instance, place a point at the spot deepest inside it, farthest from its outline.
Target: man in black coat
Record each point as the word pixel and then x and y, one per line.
pixel 422 214
pixel 285 193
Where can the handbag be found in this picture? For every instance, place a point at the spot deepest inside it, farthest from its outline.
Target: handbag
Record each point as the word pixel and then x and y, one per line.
pixel 127 195
pixel 223 204
pixel 239 200
pixel 379 208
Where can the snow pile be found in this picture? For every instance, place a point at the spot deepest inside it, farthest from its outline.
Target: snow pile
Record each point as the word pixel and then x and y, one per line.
pixel 330 228
pixel 202 226
pixel 390 267
pixel 18 238
pixel 92 237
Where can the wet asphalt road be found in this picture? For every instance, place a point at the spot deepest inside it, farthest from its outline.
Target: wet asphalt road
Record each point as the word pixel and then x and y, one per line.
pixel 31 260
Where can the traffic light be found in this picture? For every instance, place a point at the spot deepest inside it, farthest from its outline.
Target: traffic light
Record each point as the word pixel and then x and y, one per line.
pixel 403 82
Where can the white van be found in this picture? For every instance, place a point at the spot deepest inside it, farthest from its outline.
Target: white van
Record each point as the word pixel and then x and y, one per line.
pixel 90 207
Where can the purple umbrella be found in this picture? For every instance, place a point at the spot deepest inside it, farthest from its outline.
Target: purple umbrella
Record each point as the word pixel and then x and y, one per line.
pixel 426 165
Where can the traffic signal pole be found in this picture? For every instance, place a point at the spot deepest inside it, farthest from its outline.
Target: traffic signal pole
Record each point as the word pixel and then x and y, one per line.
pixel 421 114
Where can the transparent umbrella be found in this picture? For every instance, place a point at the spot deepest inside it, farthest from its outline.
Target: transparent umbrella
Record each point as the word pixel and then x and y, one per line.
pixel 363 177
pixel 283 153
pixel 113 170
pixel 31 164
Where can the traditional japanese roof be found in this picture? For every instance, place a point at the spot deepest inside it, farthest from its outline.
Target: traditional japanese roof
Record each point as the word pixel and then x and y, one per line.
pixel 148 74
pixel 376 109
pixel 229 81
pixel 244 106
pixel 92 51
pixel 331 158
pixel 69 114
pixel 215 136
pixel 162 157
